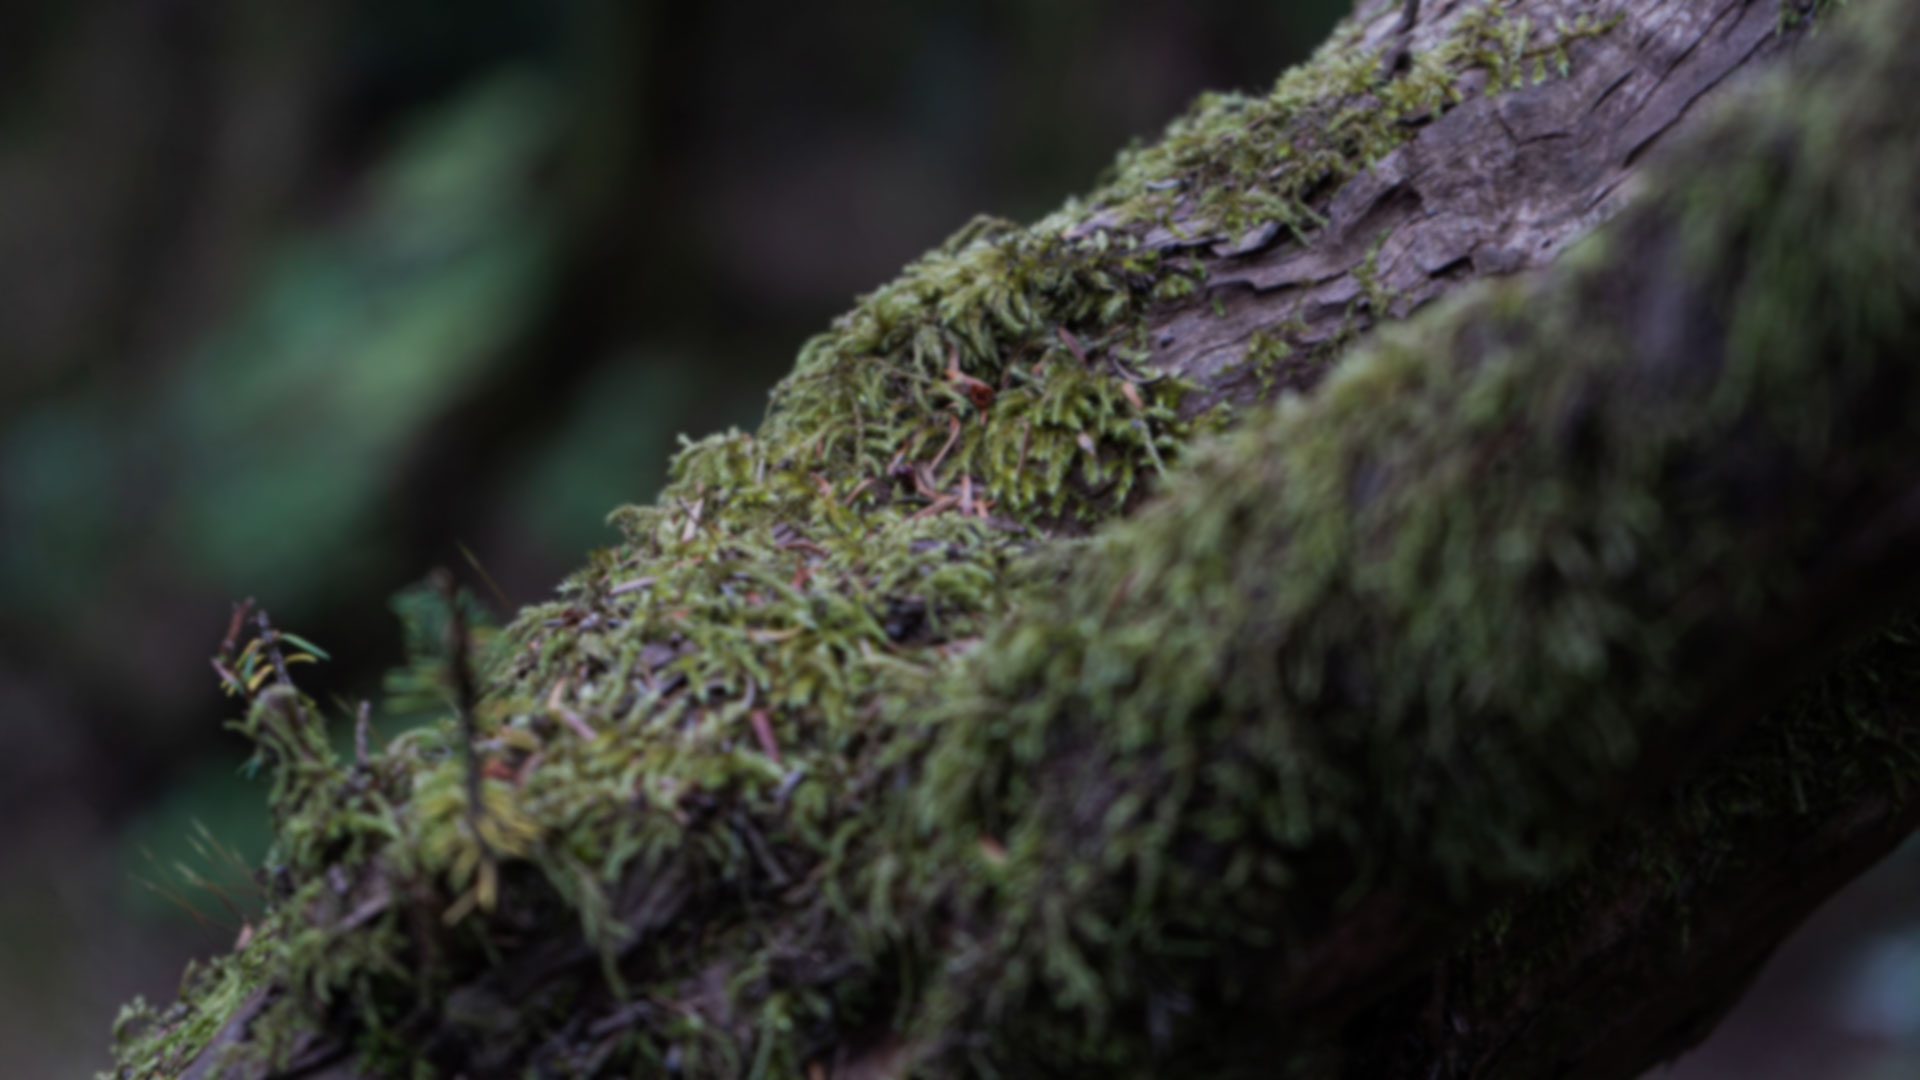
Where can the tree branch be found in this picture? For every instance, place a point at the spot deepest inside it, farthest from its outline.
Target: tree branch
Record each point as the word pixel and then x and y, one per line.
pixel 1405 730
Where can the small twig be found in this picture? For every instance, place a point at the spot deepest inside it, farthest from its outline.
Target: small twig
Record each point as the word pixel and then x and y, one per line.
pixel 271 641
pixel 361 723
pixel 939 505
pixel 979 392
pixel 1073 345
pixel 567 716
pixel 953 436
pixel 506 605
pixel 858 490
pixel 228 677
pixel 234 626
pixel 763 733
pixel 576 723
pixel 460 675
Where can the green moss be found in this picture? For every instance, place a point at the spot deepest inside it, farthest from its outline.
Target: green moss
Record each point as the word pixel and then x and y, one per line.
pixel 1236 161
pixel 687 755
pixel 1414 634
pixel 153 1043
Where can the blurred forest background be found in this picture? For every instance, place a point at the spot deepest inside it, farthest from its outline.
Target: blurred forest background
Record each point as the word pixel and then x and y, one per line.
pixel 298 300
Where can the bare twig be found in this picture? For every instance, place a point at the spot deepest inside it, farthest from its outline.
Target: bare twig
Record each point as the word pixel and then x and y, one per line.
pixel 465 698
pixel 360 725
pixel 506 605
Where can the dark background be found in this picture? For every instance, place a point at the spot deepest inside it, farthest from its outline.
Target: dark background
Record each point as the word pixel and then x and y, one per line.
pixel 297 299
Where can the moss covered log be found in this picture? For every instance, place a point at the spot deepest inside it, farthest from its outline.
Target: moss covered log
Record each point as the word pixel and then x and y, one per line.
pixel 915 734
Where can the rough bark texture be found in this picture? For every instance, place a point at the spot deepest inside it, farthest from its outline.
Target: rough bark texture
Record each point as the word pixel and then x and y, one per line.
pixel 1489 710
pixel 1498 186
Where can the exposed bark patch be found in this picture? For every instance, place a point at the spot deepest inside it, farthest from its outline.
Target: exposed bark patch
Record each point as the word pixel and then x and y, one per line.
pixel 1499 185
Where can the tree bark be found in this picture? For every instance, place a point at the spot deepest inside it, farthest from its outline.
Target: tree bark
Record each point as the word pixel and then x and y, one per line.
pixel 1489 708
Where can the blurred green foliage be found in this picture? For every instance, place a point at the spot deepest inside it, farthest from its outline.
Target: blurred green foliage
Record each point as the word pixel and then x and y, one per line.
pixel 55 464
pixel 291 420
pixel 275 441
pixel 615 437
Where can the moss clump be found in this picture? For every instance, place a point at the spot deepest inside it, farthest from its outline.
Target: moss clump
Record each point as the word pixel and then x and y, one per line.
pixel 1414 636
pixel 1011 363
pixel 687 755
pixel 1238 162
pixel 157 1043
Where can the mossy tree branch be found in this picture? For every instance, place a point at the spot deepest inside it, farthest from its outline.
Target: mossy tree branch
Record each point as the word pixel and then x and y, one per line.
pixel 1390 653
pixel 1352 753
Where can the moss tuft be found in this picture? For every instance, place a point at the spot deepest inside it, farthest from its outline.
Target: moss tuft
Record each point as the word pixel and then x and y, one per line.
pixel 1412 635
pixel 689 755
